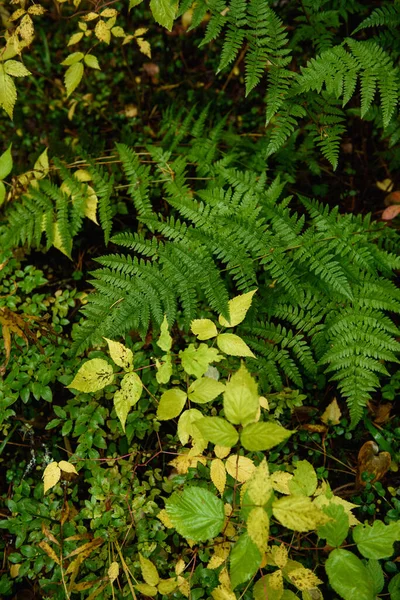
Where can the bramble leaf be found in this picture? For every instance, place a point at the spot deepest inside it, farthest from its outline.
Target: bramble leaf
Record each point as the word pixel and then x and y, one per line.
pixel 196 513
pixel 241 402
pixel 238 308
pixel 171 404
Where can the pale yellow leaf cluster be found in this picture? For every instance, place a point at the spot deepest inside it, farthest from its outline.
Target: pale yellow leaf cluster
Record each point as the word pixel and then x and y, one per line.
pixel 52 473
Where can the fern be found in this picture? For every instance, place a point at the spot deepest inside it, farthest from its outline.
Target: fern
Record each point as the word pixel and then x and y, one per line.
pixel 385 15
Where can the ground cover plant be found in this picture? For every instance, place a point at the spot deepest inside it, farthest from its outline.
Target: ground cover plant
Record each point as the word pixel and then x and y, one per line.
pixel 199 300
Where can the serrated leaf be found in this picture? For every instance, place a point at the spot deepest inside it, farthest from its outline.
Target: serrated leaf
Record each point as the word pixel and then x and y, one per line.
pixel 195 361
pixel 298 513
pixel 279 556
pixel 258 527
pixel 8 92
pixel 259 487
pixel 240 468
pixel 102 32
pixel 332 414
pixel 394 587
pixel 269 587
pixel 376 540
pixel 196 513
pixel 120 354
pixel 241 398
pixel 91 61
pixel 217 431
pixel 204 329
pixel 113 571
pixel 144 46
pixel 75 38
pixel 223 593
pixel 238 308
pixel 164 12
pixel 146 589
pixel 304 481
pixel 108 13
pixel 118 32
pixel 171 404
pixel 336 530
pixel 51 476
pixel 303 579
pixel 233 345
pixel 72 59
pixel 93 376
pixel 165 340
pixel 133 3
pixel 73 76
pixel 16 69
pixel 221 451
pixel 375 570
pixel 127 396
pixel 67 467
pixel 245 559
pixel 348 576
pixel 41 166
pixel 167 586
pixel 218 474
pixel 149 571
pixel 185 424
pixel 6 163
pixel 204 390
pixel 263 436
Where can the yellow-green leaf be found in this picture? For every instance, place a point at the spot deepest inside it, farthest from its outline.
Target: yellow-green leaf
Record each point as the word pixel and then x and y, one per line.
pixel 113 571
pixel 241 398
pixel 127 396
pixel 204 390
pixel 258 527
pixel 108 13
pixel 238 308
pixel 67 467
pixel 149 571
pixel 204 329
pixel 223 593
pixel 167 586
pixel 146 589
pixel 240 468
pixel 2 192
pixel 16 68
pixel 41 166
pixel 164 11
pixel 218 474
pixel 298 513
pixel 120 354
pixel 263 436
pixel 303 579
pixel 217 431
pixel 164 369
pixel 171 404
pixel 118 32
pixel 51 476
pixel 259 487
pixel 144 46
pixel 280 481
pixel 332 414
pixel 93 376
pixel 6 163
pixel 304 481
pixel 185 424
pixel 279 555
pixel 75 38
pixel 91 61
pixel 165 340
pixel 233 345
pixel 195 361
pixel 269 587
pixel 72 59
pixel 8 92
pixel 72 77
pixel 102 32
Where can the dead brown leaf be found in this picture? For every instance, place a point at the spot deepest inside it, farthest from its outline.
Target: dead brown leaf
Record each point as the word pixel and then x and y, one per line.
pixel 371 461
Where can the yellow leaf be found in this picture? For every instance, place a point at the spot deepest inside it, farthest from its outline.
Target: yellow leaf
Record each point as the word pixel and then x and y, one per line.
pixel 14 569
pixel 224 579
pixel 147 590
pixel 90 16
pixel 258 527
pixel 41 166
pixel 49 551
pixel 323 500
pixel 102 32
pixel 118 32
pixel 263 402
pixel 276 580
pixel 180 565
pixel 165 520
pixel 91 203
pixel 126 397
pixel 171 404
pixel 140 32
pixel 184 462
pixel 165 340
pixel 298 513
pixel 93 376
pixel 185 425
pixel 238 308
pixel 259 487
pixel 108 13
pixel 221 451
pixel 204 329
pixel 332 414
pixel 26 30
pixel 17 14
pixel 113 571
pixel 222 593
pixel 280 481
pixel 184 586
pixel 240 468
pixel 218 474
pixel 120 354
pixel 149 571
pixel 303 578
pixel 36 10
pixel 386 185
pixel 144 46
pixel 279 555
pixel 75 38
pixel 51 476
pixel 67 467
pixel 233 345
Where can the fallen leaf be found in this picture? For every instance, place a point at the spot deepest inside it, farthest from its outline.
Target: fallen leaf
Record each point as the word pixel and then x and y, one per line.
pixel 332 414
pixel 386 185
pixel 390 212
pixel 392 198
pixel 371 461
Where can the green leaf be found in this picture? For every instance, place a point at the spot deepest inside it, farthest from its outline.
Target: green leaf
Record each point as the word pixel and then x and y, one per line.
pixel 72 59
pixel 238 308
pixel 263 590
pixel 8 92
pixel 375 570
pixel 195 361
pixel 149 571
pixel 72 77
pixel 165 340
pixel 394 587
pixel 133 3
pixel 204 329
pixel 304 481
pixel 164 369
pixel 263 436
pixel 204 390
pixel 335 531
pixel 91 61
pixel 241 402
pixel 185 424
pixel 376 541
pixel 93 376
pixel 245 559
pixel 218 431
pixel 348 576
pixel 6 163
pixel 16 69
pixel 232 344
pixel 196 513
pixel 2 192
pixel 127 396
pixel 164 12
pixel 171 404
pixel 120 354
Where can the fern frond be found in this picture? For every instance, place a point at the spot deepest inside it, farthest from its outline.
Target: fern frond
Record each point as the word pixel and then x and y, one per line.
pixel 385 15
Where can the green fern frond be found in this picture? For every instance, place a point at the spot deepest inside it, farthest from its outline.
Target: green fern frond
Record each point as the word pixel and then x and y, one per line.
pixel 385 15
